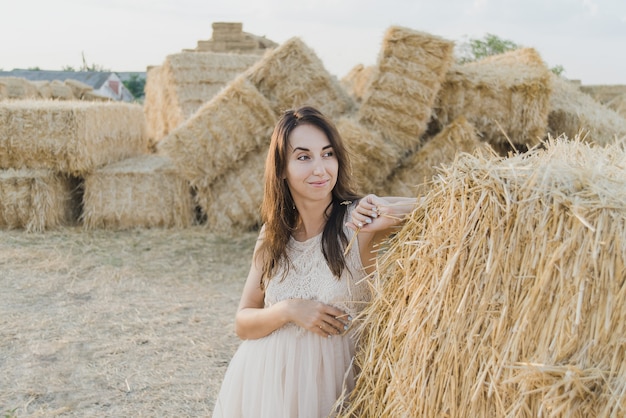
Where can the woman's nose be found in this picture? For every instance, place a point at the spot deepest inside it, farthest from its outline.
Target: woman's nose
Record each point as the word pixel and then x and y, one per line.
pixel 319 168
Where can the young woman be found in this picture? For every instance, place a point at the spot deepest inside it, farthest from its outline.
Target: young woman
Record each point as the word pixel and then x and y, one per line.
pixel 307 279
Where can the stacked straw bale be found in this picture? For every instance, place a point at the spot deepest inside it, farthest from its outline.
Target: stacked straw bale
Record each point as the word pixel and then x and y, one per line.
pixel 373 158
pixel 414 175
pixel 60 90
pixel 233 203
pixel 411 67
pixel 209 147
pixel 184 82
pixel 144 191
pixel 506 96
pixel 17 88
pixel 70 137
pixel 36 200
pixel 230 37
pixel 573 112
pixel 237 121
pixel 78 88
pixel 291 75
pixel 612 96
pixel 358 81
pixel 154 105
pixel 504 295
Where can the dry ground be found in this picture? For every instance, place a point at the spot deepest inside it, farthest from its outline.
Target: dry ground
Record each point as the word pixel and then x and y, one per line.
pixel 117 324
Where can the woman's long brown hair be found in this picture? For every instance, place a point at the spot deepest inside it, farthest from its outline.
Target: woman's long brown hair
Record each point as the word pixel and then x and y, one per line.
pixel 278 209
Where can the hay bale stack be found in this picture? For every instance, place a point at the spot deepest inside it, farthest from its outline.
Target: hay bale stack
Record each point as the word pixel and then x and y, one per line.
pixel 35 200
pixel 61 91
pixel 185 81
pixel 154 104
pixel 505 293
pixel 78 87
pixel 358 80
pixel 223 131
pixel 44 89
pixel 71 137
pixel 373 158
pixel 141 192
pixel 17 88
pixel 612 96
pixel 233 201
pixel 414 175
pixel 292 75
pixel 573 112
pixel 229 37
pixel 507 97
pixel 410 69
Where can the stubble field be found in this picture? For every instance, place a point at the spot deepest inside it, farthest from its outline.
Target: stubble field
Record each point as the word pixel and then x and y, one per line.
pixel 132 323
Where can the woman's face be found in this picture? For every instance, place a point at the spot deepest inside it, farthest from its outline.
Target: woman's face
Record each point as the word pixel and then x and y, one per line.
pixel 312 167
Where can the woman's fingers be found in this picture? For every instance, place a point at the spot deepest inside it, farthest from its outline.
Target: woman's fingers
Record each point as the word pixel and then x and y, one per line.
pixel 335 323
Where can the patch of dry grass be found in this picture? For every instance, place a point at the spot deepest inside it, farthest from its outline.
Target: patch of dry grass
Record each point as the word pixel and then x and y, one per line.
pixel 127 323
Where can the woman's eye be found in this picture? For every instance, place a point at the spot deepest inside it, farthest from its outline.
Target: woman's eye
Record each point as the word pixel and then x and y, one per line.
pixel 303 157
pixel 329 154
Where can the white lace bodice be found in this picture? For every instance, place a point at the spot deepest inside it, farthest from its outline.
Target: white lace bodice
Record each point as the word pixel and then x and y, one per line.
pixel 309 277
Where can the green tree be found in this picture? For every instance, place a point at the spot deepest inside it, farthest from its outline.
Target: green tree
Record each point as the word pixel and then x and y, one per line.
pixel 34 69
pixel 68 68
pixel 136 85
pixel 475 49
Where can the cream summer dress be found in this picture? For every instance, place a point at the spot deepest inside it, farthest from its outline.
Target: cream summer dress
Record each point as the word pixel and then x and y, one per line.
pixel 294 373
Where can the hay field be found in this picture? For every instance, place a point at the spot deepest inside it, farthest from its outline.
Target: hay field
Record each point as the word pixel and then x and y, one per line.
pixel 102 323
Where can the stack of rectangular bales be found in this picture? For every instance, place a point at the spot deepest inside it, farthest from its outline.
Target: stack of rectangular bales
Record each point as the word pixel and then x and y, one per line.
pixel 141 192
pixel 410 69
pixel 46 145
pixel 396 96
pixel 183 83
pixel 221 149
pixel 415 173
pixel 506 97
pixel 574 113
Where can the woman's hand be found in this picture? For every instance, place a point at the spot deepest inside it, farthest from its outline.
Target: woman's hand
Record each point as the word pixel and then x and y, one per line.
pixel 375 213
pixel 317 317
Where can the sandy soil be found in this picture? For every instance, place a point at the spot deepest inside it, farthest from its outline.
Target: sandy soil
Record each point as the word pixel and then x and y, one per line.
pixel 117 324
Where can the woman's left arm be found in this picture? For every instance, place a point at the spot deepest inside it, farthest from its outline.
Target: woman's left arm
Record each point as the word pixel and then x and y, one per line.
pixel 375 219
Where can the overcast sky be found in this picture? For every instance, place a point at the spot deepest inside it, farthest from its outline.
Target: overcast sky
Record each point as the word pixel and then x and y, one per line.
pixel 586 37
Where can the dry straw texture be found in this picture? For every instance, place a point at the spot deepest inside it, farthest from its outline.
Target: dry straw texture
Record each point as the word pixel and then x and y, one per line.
pixel 504 295
pixel 507 97
pixel 154 104
pixel 292 75
pixel 186 81
pixel 372 157
pixel 573 112
pixel 78 87
pixel 410 69
pixel 612 96
pixel 17 88
pixel 358 80
pixel 232 203
pixel 414 175
pixel 222 132
pixel 71 137
pixel 35 200
pixel 141 192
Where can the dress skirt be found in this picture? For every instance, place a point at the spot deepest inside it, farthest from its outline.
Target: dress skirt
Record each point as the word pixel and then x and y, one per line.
pixel 291 373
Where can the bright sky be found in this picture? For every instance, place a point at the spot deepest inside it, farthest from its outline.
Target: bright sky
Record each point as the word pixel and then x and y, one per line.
pixel 586 37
